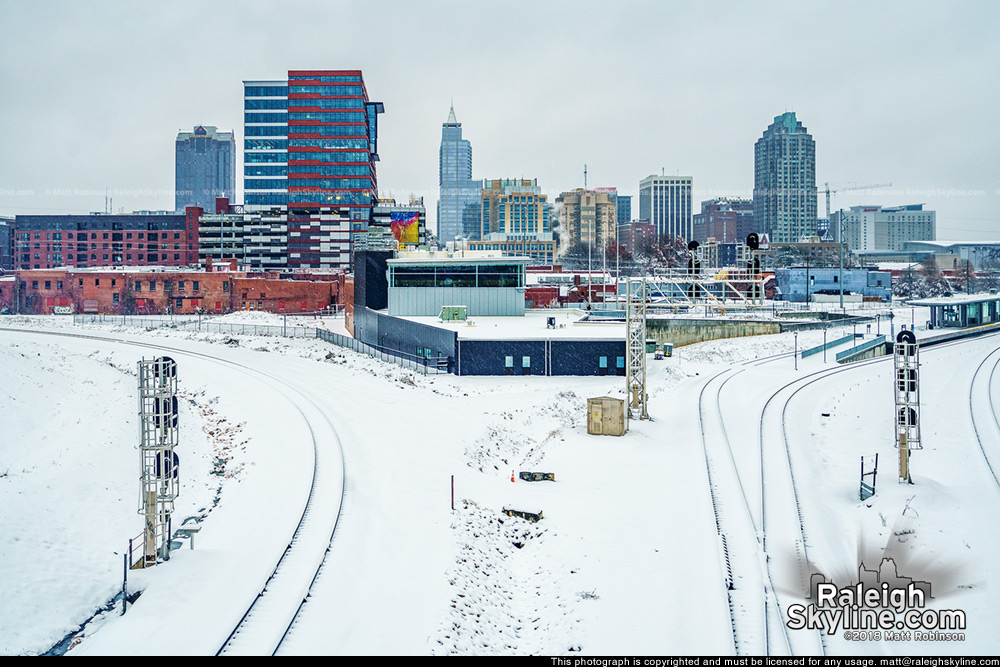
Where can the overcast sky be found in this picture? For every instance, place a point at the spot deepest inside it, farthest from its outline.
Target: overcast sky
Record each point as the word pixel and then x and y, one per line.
pixel 92 95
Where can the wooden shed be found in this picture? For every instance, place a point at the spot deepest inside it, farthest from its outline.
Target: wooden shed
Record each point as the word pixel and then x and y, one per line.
pixel 606 416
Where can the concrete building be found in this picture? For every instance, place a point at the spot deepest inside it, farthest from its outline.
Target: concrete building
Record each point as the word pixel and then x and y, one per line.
pixel 423 283
pixel 802 284
pixel 723 219
pixel 586 216
pixel 458 204
pixel 222 234
pixel 879 228
pixel 666 202
pixel 81 241
pixel 784 196
pixel 205 167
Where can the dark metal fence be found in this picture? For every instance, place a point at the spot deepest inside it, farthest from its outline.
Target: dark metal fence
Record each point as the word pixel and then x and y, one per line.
pixel 423 365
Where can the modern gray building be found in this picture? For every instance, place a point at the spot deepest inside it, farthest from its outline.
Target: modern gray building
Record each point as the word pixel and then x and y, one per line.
pixel 623 205
pixel 6 243
pixel 868 228
pixel 784 195
pixel 205 167
pixel 666 202
pixel 423 284
pixel 458 209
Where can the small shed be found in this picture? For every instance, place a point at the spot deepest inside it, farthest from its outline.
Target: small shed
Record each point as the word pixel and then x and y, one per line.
pixel 606 416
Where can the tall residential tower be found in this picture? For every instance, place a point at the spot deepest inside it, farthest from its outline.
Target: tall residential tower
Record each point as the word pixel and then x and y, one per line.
pixel 458 211
pixel 784 194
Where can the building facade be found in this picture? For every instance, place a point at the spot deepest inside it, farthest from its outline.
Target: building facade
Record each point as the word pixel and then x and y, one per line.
pixel 587 217
pixel 405 223
pixel 876 228
pixel 458 205
pixel 310 152
pixel 723 219
pixel 784 195
pixel 205 167
pixel 666 202
pixel 636 235
pixel 6 244
pixel 623 208
pixel 515 219
pixel 83 241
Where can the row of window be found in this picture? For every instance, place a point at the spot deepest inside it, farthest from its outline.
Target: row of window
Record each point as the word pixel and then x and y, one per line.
pixel 266 130
pixel 265 144
pixel 339 103
pixel 265 91
pixel 115 257
pixel 323 116
pixel 331 170
pixel 294 157
pixel 493 275
pixel 276 103
pixel 328 78
pixel 114 236
pixel 355 130
pixel 265 118
pixel 324 142
pixel 265 157
pixel 326 90
pixel 331 183
pixel 308 197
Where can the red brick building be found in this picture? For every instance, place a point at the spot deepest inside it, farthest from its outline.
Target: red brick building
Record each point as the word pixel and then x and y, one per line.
pixel 165 290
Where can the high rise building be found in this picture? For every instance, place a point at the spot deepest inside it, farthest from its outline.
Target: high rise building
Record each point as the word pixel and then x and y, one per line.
pixel 458 212
pixel 587 216
pixel 784 196
pixel 723 219
pixel 868 228
pixel 515 220
pixel 310 148
pixel 623 208
pixel 666 202
pixel 205 167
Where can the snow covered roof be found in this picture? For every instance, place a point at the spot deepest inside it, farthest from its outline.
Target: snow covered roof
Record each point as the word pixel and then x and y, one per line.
pixel 955 300
pixel 533 326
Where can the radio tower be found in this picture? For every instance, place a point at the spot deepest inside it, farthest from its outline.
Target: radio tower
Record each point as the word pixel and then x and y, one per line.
pixel 635 347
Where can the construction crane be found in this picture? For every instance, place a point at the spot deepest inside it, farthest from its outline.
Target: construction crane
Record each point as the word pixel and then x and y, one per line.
pixel 847 188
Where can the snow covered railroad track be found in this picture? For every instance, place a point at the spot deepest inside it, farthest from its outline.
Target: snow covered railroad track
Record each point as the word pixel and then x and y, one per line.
pixel 739 548
pixel 985 392
pixel 271 614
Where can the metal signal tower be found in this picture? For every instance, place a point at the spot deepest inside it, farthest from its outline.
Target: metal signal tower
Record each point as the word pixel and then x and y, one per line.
pixel 159 462
pixel 906 362
pixel 635 347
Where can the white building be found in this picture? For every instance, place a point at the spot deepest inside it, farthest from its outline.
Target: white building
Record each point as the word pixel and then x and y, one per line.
pixel 666 202
pixel 868 228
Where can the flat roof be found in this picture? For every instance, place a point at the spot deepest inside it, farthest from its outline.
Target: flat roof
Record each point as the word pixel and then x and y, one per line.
pixel 459 260
pixel 956 300
pixel 532 326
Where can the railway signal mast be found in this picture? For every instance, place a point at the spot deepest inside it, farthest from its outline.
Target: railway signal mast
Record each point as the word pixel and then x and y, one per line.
pixel 906 362
pixel 635 347
pixel 159 462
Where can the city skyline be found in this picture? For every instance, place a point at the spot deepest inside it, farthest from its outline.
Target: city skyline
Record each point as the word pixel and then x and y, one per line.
pixel 857 103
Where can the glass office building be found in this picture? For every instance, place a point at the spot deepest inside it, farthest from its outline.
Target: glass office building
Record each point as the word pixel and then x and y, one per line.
pixel 310 147
pixel 458 204
pixel 204 168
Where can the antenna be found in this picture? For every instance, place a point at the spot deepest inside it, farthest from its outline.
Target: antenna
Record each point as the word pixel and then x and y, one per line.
pixel 584 177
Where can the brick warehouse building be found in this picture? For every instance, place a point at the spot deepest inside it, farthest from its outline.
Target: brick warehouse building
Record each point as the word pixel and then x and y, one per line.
pixel 81 241
pixel 165 290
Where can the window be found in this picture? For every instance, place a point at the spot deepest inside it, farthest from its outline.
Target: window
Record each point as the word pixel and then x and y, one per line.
pixel 48 284
pixel 59 284
pixel 138 286
pixel 180 285
pixel 225 285
pixel 97 281
pixel 114 298
pixel 113 282
pixel 152 285
pixel 34 284
pixel 180 303
pixel 195 285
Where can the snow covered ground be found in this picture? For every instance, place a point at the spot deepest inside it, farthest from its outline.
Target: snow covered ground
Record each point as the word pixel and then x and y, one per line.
pixel 625 560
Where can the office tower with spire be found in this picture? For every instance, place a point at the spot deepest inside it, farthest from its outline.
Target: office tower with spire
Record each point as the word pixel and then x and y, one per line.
pixel 784 194
pixel 458 205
